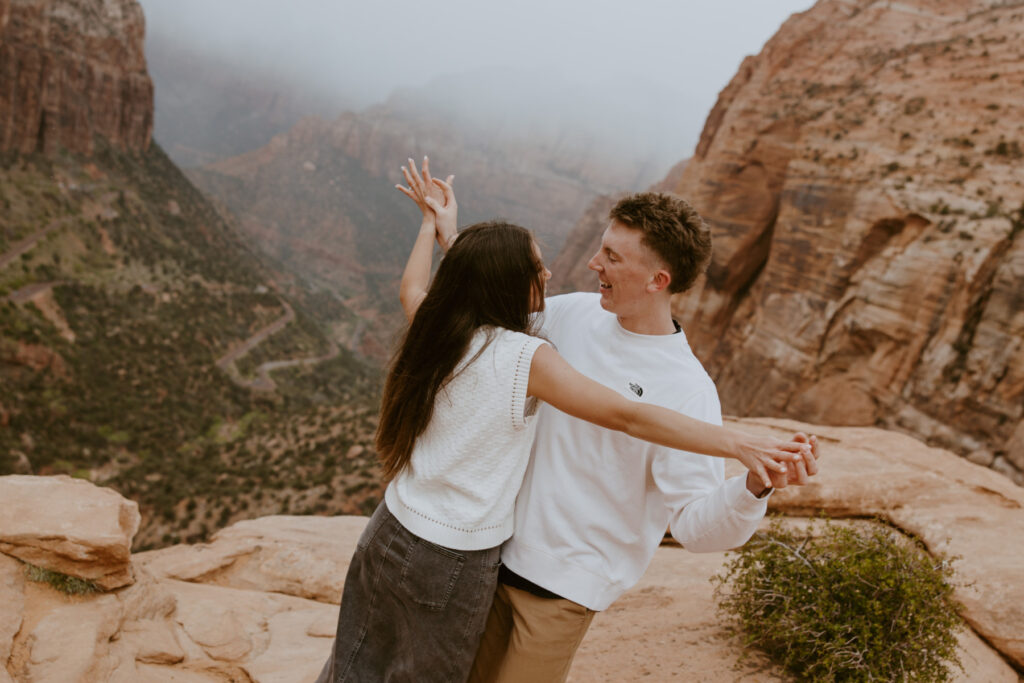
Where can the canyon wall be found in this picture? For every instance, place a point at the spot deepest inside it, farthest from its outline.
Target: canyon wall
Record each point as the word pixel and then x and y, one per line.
pixel 861 176
pixel 71 70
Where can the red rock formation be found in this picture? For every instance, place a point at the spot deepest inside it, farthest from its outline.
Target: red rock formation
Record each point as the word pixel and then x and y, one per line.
pixel 862 179
pixel 71 70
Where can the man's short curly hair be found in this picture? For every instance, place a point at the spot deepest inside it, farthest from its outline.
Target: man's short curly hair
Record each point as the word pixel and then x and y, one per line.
pixel 672 229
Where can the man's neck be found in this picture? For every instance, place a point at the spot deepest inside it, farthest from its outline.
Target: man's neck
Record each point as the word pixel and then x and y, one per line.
pixel 658 320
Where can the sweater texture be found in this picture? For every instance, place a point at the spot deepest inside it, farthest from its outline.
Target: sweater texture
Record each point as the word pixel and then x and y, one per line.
pixel 460 486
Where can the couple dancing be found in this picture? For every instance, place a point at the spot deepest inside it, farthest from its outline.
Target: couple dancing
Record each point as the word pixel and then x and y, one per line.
pixel 537 449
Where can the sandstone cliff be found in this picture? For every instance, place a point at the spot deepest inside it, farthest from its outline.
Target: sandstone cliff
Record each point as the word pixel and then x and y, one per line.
pixel 862 179
pixel 259 602
pixel 71 70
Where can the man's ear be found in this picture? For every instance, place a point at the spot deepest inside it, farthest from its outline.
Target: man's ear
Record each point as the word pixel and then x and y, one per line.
pixel 659 281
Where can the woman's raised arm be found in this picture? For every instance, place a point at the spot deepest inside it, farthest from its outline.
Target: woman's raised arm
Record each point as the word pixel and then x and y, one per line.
pixel 437 204
pixel 557 383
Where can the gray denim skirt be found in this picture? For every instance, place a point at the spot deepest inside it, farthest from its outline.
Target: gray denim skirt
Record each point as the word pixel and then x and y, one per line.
pixel 411 610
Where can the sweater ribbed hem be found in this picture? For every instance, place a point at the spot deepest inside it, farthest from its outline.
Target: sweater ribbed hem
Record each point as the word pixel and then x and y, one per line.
pixel 443 532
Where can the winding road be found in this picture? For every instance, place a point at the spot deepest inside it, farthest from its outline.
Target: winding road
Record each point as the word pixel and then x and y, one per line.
pixel 263 381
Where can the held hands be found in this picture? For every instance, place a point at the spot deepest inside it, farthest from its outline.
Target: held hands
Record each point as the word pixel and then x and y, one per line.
pixel 797 473
pixel 774 462
pixel 435 198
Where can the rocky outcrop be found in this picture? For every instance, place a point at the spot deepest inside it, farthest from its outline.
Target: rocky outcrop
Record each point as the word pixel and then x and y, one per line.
pixel 71 70
pixel 861 177
pixel 259 601
pixel 69 526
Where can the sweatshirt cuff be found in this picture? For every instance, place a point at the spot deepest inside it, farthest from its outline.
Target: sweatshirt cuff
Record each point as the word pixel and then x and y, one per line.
pixel 742 501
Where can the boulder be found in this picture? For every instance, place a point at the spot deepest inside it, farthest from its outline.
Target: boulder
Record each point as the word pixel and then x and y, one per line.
pixel 69 526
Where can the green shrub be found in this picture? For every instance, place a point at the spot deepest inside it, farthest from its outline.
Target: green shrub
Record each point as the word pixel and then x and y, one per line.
pixel 71 585
pixel 843 604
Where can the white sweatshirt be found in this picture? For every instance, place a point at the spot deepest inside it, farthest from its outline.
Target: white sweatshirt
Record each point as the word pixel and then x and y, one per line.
pixel 460 487
pixel 595 503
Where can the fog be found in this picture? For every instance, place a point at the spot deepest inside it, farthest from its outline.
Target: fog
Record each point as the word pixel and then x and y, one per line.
pixel 648 71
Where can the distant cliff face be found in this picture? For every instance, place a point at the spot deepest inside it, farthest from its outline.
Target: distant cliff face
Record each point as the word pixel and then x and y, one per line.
pixel 862 179
pixel 71 70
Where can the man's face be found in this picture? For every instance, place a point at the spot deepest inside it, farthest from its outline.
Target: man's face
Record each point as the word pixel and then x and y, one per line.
pixel 625 268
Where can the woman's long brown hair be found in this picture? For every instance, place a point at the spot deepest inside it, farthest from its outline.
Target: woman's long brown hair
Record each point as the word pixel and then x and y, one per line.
pixel 490 277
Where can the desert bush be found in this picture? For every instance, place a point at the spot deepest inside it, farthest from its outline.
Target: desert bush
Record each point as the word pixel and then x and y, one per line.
pixel 843 604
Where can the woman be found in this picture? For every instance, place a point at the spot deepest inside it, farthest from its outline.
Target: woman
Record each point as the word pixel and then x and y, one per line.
pixel 455 433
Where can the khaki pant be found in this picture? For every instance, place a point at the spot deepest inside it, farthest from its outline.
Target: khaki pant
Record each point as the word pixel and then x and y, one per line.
pixel 529 639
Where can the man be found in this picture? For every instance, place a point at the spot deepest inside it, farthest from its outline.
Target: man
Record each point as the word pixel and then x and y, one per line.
pixel 595 503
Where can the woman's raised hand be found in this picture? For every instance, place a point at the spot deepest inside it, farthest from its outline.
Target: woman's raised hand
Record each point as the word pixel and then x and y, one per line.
pixel 435 198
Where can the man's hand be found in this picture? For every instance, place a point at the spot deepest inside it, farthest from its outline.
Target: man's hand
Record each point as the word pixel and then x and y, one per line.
pixel 435 198
pixel 797 473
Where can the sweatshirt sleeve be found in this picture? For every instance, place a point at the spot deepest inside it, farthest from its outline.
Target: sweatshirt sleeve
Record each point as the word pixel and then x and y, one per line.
pixel 707 513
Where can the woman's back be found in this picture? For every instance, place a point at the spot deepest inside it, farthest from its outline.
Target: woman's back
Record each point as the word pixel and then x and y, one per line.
pixel 459 487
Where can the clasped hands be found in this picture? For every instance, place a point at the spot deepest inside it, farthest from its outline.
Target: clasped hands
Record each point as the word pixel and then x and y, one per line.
pixel 436 200
pixel 797 471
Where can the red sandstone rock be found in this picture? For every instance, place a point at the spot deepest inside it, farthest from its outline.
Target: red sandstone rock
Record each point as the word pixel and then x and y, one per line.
pixel 69 526
pixel 71 70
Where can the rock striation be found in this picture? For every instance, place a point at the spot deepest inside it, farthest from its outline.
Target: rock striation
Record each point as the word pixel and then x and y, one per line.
pixel 71 70
pixel 259 601
pixel 861 176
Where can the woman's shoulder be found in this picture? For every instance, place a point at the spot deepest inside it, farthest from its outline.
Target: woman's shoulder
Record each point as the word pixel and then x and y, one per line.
pixel 513 340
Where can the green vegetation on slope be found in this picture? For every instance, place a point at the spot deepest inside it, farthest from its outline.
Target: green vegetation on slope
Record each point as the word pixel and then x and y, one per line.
pixel 110 327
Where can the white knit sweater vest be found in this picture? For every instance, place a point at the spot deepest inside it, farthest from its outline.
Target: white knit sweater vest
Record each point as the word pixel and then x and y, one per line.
pixel 460 487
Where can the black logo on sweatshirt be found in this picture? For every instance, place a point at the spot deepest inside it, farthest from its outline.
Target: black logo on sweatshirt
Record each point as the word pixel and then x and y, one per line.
pixel 636 388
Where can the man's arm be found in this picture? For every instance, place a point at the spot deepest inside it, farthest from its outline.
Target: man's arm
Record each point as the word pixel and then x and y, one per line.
pixel 707 512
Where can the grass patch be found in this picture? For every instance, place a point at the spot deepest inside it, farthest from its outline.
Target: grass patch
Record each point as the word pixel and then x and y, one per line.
pixel 69 585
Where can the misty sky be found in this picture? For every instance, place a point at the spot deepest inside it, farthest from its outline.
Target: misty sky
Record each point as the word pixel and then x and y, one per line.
pixel 363 51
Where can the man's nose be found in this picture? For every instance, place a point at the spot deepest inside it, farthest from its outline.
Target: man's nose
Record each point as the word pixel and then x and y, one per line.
pixel 593 264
